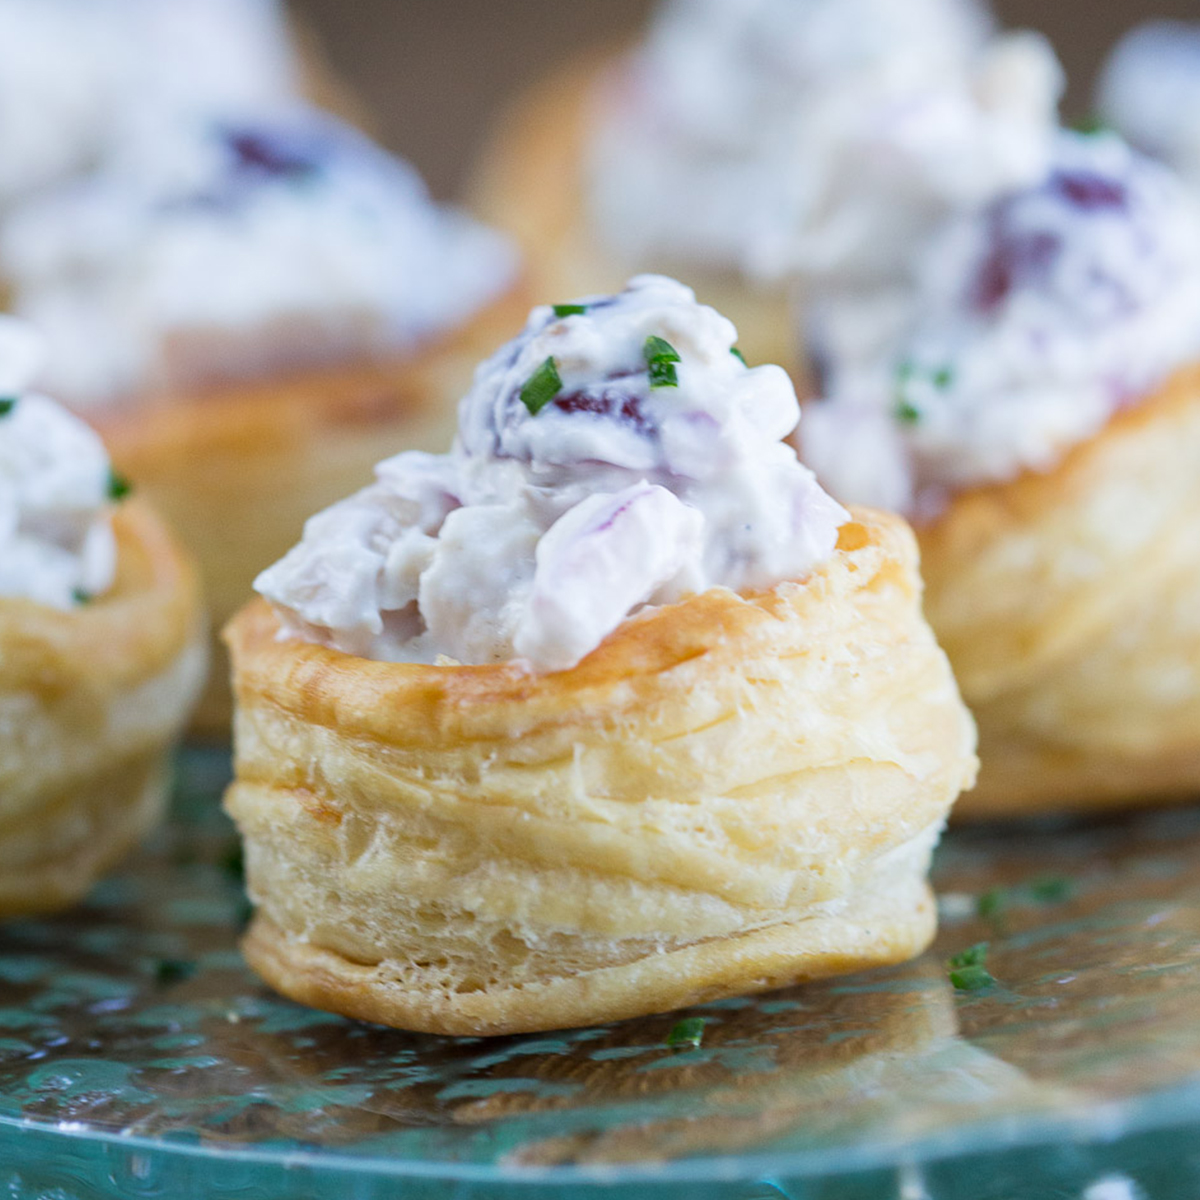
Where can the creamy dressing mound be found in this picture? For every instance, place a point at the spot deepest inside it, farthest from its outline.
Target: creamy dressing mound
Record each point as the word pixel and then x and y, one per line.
pixel 236 247
pixel 538 534
pixel 1032 323
pixel 56 538
pixel 1150 91
pixel 79 76
pixel 816 139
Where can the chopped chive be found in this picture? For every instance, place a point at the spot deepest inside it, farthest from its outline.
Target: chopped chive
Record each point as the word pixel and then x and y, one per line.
pixel 688 1032
pixel 1091 125
pixel 904 410
pixel 81 597
pixel 660 350
pixel 943 377
pixel 992 903
pixel 7 404
pixel 173 970
pixel 738 355
pixel 544 384
pixel 972 956
pixel 233 862
pixel 118 486
pixel 661 358
pixel 663 375
pixel 1052 890
pixel 569 310
pixel 971 978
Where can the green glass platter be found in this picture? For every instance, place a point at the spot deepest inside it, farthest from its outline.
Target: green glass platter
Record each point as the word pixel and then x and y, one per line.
pixel 140 1058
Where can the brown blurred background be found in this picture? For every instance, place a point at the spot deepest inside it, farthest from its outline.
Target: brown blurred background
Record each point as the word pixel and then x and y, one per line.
pixel 435 72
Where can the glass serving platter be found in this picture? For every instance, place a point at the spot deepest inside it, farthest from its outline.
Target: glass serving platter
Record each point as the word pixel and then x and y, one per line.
pixel 140 1058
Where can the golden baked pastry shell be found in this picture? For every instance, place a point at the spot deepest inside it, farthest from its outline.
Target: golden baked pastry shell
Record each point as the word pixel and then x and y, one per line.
pixel 91 702
pixel 1069 604
pixel 730 794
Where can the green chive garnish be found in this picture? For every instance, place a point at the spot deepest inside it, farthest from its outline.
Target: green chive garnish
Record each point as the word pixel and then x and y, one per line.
pixel 7 404
pixel 118 486
pixel 971 978
pixel 544 384
pixel 1053 890
pixel 81 597
pixel 904 410
pixel 1092 125
pixel 661 358
pixel 569 310
pixel 972 956
pixel 943 377
pixel 689 1032
pixel 738 355
pixel 992 904
pixel 173 970
pixel 233 862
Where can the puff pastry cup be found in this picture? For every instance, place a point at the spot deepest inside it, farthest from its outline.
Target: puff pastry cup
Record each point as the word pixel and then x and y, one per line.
pixel 91 701
pixel 238 470
pixel 731 794
pixel 530 183
pixel 1067 603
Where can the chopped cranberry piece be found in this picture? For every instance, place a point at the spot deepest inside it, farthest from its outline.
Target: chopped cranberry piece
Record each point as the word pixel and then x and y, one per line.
pixel 609 402
pixel 259 154
pixel 1088 191
pixel 1015 259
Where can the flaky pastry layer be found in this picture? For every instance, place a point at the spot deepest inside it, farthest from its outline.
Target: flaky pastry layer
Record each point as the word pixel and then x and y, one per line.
pixel 730 794
pixel 237 471
pixel 90 703
pixel 530 182
pixel 1069 604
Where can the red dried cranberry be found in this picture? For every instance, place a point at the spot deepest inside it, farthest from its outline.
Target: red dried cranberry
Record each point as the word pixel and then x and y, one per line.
pixel 1088 191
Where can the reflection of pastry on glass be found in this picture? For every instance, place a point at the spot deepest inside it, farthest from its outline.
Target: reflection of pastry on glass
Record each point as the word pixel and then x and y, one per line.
pixel 249 308
pixel 757 145
pixel 77 77
pixel 882 1063
pixel 1150 92
pixel 101 649
pixel 596 759
pixel 1039 415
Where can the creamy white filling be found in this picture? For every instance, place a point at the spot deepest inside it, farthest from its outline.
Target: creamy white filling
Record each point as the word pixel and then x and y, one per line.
pixel 1032 323
pixel 539 533
pixel 814 138
pixel 78 76
pixel 236 248
pixel 56 539
pixel 1150 91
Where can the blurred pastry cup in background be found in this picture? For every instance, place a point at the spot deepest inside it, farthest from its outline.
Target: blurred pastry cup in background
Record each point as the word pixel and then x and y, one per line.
pixel 1149 92
pixel 77 80
pixel 253 310
pixel 102 652
pixel 765 150
pixel 608 711
pixel 1038 415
